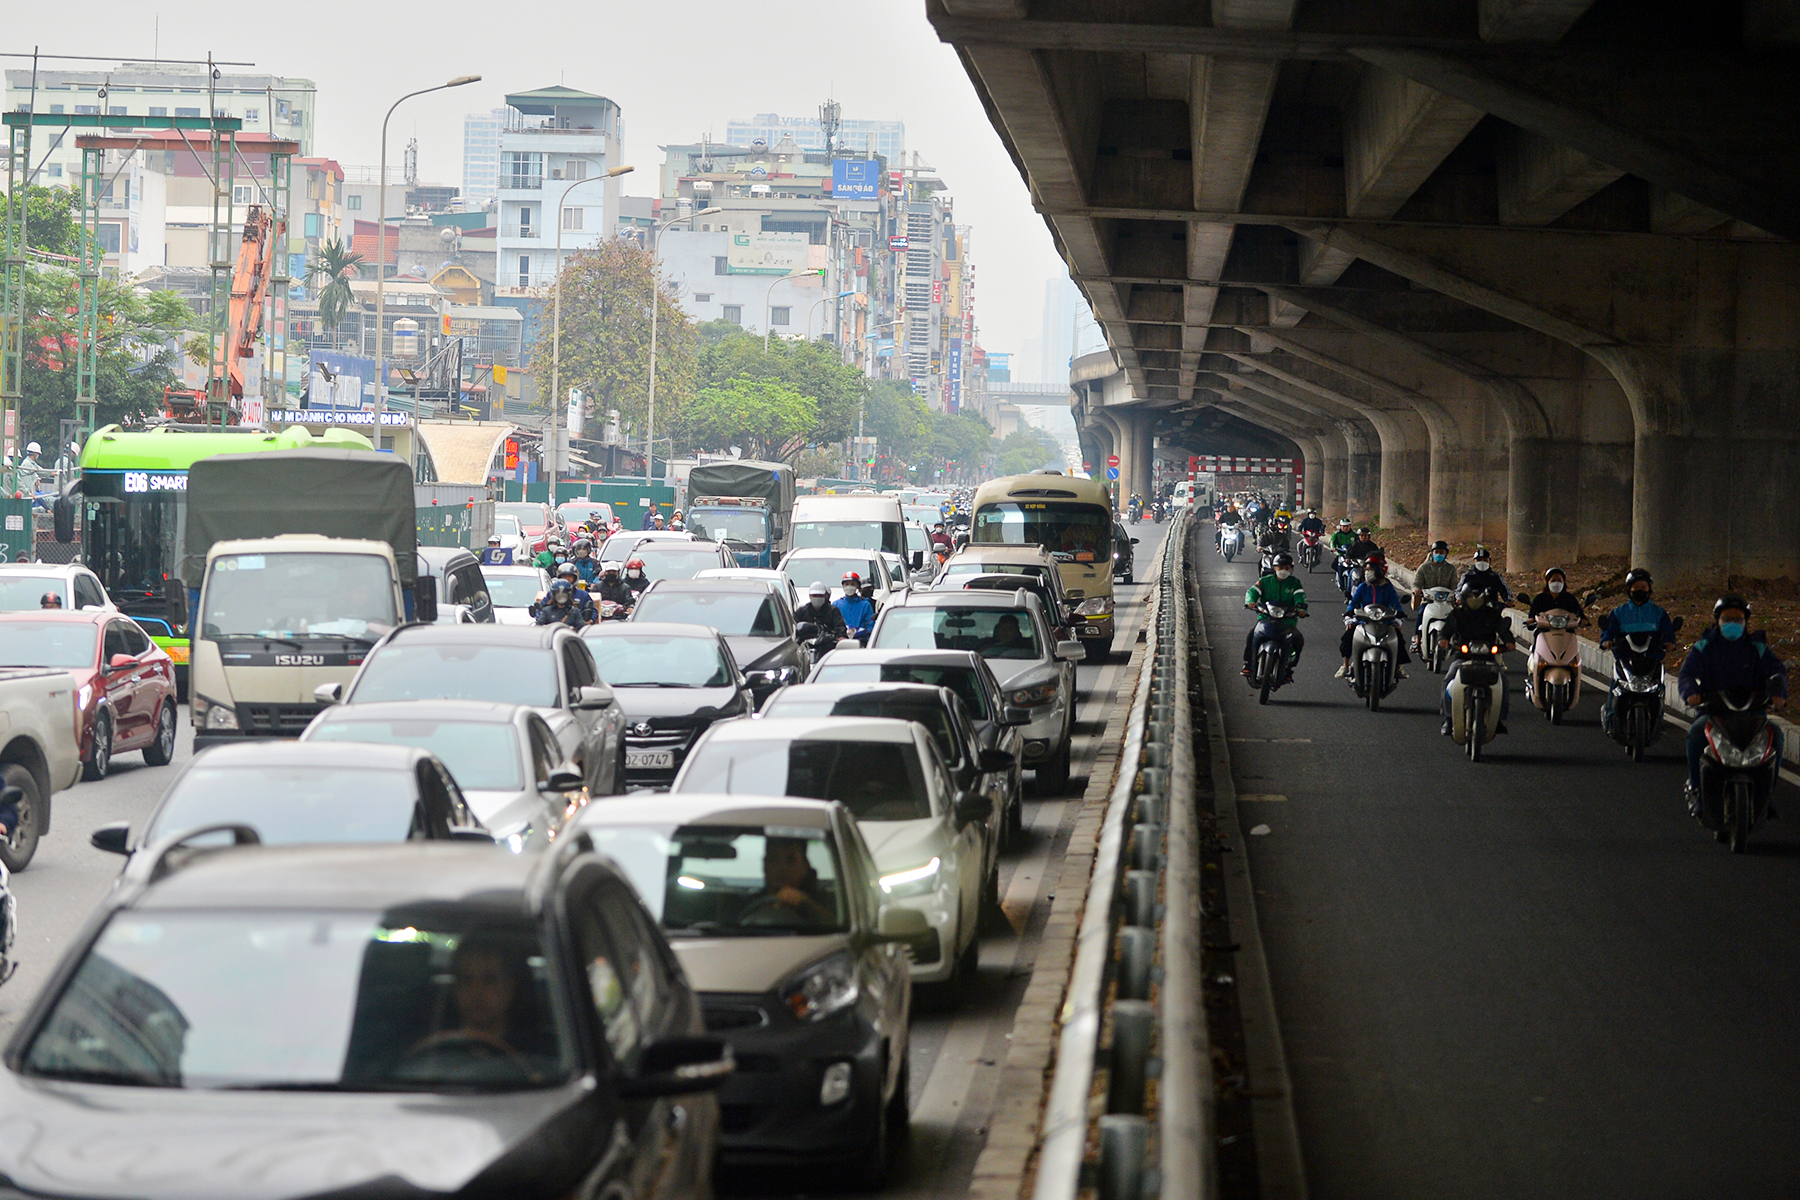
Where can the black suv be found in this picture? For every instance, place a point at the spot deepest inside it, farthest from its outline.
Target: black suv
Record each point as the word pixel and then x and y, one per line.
pixel 426 1019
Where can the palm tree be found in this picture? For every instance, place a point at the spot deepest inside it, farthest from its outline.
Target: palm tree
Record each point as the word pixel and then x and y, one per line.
pixel 332 270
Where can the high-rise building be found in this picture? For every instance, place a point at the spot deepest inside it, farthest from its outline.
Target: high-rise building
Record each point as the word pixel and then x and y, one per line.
pixel 273 105
pixel 853 137
pixel 481 155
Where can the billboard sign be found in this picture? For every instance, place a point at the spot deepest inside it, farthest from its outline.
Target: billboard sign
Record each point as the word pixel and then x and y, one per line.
pixel 766 253
pixel 898 242
pixel 855 178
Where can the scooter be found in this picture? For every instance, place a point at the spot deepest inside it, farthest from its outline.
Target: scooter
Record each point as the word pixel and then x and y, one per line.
pixel 1475 685
pixel 1439 604
pixel 1634 713
pixel 1311 550
pixel 1231 541
pixel 1553 674
pixel 612 610
pixel 1375 654
pixel 1272 660
pixel 1737 766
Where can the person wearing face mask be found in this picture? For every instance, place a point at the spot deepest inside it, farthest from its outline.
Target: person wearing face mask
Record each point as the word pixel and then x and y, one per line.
pixel 1375 588
pixel 1278 587
pixel 819 610
pixel 1482 576
pixel 1556 595
pixel 635 579
pixel 1437 571
pixel 1639 615
pixel 1311 523
pixel 1728 657
pixel 1477 620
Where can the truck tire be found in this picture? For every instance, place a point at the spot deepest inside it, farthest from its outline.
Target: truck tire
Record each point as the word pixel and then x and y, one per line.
pixel 16 851
pixel 1098 650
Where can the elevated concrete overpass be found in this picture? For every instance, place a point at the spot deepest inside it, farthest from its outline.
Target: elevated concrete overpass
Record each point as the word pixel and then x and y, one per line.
pixel 1517 269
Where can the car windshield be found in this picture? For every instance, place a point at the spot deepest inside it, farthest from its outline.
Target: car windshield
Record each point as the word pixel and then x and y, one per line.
pixel 926 712
pixel 829 571
pixel 734 614
pixel 292 804
pixel 925 514
pixel 876 781
pixel 731 880
pixel 513 591
pixel 298 595
pixel 1071 532
pixel 444 997
pixel 531 515
pixel 22 593
pixel 674 561
pixel 649 660
pixel 859 535
pixel 481 755
pixel 581 512
pixel 458 671
pixel 507 526
pixel 990 632
pixel 736 524
pixel 66 644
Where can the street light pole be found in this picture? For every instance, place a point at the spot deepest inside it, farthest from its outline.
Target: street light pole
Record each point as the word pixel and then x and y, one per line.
pixel 769 297
pixel 655 308
pixel 381 253
pixel 556 321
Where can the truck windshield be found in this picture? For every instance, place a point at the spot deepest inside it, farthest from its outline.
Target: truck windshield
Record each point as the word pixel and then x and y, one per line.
pixel 1070 532
pixel 297 595
pixel 735 524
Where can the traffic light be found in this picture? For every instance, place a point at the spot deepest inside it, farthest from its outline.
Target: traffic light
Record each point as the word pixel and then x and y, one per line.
pixel 512 454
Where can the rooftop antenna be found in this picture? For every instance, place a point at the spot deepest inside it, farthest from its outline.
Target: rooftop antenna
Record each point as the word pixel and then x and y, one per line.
pixel 829 113
pixel 412 162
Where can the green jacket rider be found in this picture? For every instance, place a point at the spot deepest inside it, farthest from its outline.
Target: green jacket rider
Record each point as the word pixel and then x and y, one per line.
pixel 1278 587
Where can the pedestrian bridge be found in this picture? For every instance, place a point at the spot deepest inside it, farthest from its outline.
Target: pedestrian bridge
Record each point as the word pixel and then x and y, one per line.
pixel 1516 270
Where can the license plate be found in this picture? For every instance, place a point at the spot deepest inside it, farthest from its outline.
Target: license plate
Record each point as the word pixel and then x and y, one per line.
pixel 649 760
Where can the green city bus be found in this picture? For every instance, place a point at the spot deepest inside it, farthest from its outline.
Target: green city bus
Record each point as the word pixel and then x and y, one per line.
pixel 129 511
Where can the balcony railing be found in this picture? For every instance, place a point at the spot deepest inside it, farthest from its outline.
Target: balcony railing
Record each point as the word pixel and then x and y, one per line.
pixel 522 183
pixel 523 233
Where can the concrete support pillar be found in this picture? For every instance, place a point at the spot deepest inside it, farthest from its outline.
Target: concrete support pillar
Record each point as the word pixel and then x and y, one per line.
pixel 1312 493
pixel 1143 458
pixel 1334 497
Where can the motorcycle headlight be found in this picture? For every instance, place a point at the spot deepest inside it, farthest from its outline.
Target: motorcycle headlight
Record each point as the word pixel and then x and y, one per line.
pixel 816 992
pixel 1099 606
pixel 210 714
pixel 914 882
pixel 1643 683
pixel 1031 697
pixel 1753 755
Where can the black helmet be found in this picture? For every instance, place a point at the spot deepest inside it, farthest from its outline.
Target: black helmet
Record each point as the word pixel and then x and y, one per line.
pixel 1637 575
pixel 1365 531
pixel 562 587
pixel 1482 553
pixel 1468 593
pixel 1284 560
pixel 1729 601
pixel 1440 547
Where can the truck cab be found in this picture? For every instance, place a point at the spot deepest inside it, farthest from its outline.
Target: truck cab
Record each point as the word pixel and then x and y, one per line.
pixel 742 524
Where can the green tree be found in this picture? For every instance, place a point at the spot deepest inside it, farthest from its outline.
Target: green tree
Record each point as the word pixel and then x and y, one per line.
pixel 898 417
pixel 957 445
pixel 765 418
pixel 606 293
pixel 814 369
pixel 1026 449
pixel 331 272
pixel 53 220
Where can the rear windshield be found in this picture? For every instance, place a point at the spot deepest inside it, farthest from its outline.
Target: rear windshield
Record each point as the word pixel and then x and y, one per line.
pixel 962 680
pixel 293 804
pixel 990 632
pixel 480 754
pixel 734 614
pixel 22 593
pixel 829 571
pixel 445 999
pixel 64 644
pixel 526 514
pixel 653 661
pixel 876 781
pixel 458 671
pixel 901 708
pixel 860 535
pixel 670 561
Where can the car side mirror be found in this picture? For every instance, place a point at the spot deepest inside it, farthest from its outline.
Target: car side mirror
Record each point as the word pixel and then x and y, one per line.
pixel 1134 541
pixel 973 806
pixel 1070 651
pixel 918 560
pixel 121 662
pixel 471 833
pixel 177 606
pixel 114 838
pixel 563 779
pixel 849 644
pixel 1014 716
pixel 425 608
pixel 679 1066
pixel 994 761
pixel 329 693
pixel 897 923
pixel 592 696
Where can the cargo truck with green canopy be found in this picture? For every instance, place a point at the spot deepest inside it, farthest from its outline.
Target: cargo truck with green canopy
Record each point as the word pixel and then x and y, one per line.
pixel 746 505
pixel 297 563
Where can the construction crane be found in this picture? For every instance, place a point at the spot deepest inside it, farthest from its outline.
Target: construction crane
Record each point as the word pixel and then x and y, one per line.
pixel 224 394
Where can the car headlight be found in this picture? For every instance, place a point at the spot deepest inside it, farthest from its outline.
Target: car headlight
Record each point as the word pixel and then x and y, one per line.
pixel 914 882
pixel 827 986
pixel 1099 606
pixel 83 696
pixel 210 714
pixel 1031 697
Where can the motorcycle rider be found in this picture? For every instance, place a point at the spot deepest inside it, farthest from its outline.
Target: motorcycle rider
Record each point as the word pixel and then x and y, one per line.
pixel 548 557
pixel 587 567
pixel 1230 517
pixel 1556 595
pixel 584 601
pixel 858 613
pixel 1278 587
pixel 1311 523
pixel 1481 574
pixel 635 579
pixel 1364 546
pixel 1477 620
pixel 1375 588
pixel 613 588
pixel 560 607
pixel 1276 540
pixel 818 610
pixel 676 523
pixel 1344 538
pixel 1726 658
pixel 1437 571
pixel 940 538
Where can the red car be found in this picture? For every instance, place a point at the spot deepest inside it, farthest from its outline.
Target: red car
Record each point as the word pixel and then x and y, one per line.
pixel 535 521
pixel 125 683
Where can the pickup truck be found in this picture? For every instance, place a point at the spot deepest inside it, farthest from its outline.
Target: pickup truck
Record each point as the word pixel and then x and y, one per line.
pixel 38 751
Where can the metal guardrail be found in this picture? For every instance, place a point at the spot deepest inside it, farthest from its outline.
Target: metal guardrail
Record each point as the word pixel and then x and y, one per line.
pixel 1133 1011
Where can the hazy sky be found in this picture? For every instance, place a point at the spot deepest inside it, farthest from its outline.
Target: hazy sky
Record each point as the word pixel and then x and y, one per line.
pixel 676 71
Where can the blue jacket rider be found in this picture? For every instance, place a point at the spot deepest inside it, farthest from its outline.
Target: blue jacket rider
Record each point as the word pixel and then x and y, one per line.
pixel 858 614
pixel 1727 659
pixel 1376 588
pixel 1639 616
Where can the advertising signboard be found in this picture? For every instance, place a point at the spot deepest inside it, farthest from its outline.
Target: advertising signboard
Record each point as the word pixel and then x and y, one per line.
pixel 855 178
pixel 766 253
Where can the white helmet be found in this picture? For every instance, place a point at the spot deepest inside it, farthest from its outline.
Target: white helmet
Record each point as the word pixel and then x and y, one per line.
pixel 33 448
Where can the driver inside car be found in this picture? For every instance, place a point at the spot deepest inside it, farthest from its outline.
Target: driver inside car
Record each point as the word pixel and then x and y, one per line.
pixel 489 998
pixel 792 894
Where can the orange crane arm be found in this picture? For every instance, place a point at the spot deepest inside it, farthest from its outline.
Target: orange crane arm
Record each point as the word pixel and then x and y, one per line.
pixel 249 293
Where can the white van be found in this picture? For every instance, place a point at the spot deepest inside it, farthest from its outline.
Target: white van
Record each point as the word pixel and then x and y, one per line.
pixel 850 523
pixel 1184 494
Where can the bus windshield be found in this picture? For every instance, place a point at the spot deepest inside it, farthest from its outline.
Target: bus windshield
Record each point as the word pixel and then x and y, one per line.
pixel 134 542
pixel 1070 532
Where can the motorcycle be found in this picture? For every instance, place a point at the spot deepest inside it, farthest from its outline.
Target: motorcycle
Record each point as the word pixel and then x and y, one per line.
pixel 1633 716
pixel 1231 541
pixel 1737 765
pixel 1476 680
pixel 1272 660
pixel 1553 674
pixel 1349 573
pixel 612 610
pixel 1439 604
pixel 1375 653
pixel 1310 550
